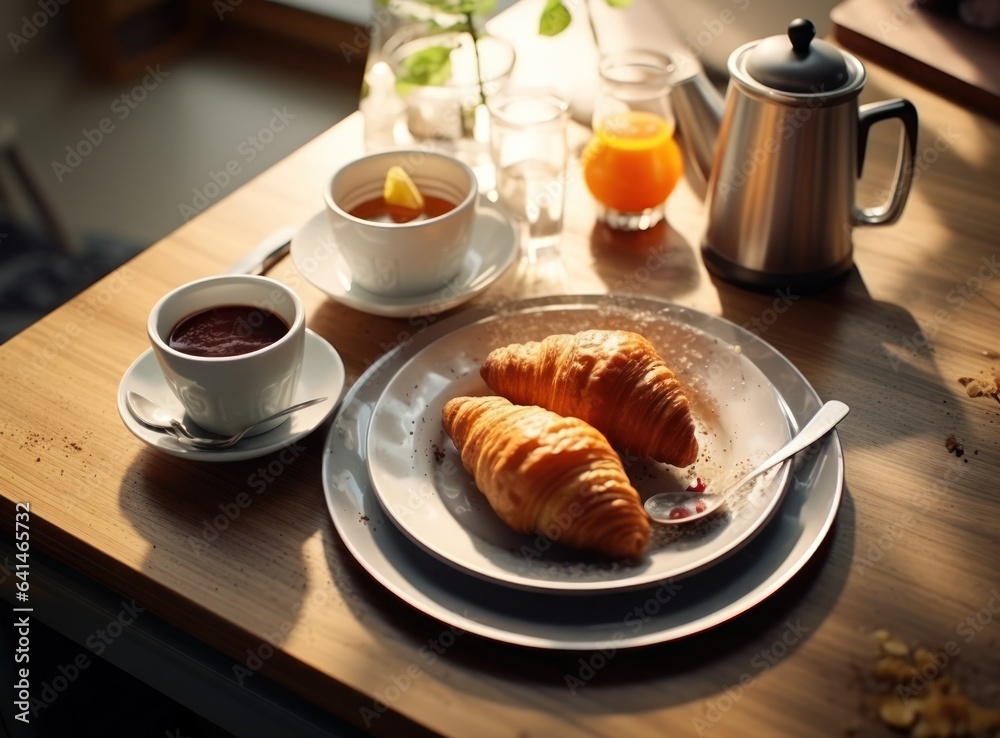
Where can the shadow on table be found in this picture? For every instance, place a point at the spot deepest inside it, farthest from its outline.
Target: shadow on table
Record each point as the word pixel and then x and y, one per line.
pixel 850 347
pixel 185 507
pixel 599 681
pixel 824 335
pixel 658 262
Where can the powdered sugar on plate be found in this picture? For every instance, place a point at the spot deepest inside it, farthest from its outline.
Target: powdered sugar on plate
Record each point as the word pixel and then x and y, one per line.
pixel 420 481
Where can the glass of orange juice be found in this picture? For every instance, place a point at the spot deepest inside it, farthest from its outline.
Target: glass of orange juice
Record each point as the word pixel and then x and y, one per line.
pixel 633 162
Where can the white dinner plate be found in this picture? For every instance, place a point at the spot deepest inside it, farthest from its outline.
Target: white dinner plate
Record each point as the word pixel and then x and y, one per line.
pixel 418 475
pixel 493 250
pixel 322 376
pixel 666 610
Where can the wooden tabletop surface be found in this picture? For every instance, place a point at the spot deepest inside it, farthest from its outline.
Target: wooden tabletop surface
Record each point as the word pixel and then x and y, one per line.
pixel 914 548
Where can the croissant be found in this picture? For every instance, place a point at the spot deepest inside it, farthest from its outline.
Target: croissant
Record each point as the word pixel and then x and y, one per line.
pixel 613 380
pixel 543 473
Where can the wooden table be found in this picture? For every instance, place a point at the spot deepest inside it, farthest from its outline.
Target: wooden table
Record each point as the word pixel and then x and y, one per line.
pixel 919 312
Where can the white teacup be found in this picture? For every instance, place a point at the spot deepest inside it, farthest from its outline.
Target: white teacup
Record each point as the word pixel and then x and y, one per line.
pixel 403 259
pixel 225 394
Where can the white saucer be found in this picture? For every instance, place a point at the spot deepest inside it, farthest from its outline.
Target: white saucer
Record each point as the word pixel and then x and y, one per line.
pixel 322 376
pixel 493 251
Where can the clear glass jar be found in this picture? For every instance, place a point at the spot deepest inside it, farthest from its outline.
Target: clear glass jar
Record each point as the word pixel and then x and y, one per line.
pixel 445 67
pixel 633 162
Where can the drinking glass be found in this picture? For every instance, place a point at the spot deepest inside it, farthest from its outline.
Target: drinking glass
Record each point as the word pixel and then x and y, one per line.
pixel 528 132
pixel 632 163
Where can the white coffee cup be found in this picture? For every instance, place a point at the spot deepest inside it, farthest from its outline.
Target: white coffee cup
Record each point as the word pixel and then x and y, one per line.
pixel 225 394
pixel 403 259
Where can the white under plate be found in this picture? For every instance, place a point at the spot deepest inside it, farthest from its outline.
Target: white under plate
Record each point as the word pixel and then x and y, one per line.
pixel 596 620
pixel 418 475
pixel 322 376
pixel 494 249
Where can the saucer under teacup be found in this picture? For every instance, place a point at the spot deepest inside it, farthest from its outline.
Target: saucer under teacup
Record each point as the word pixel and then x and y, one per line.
pixel 322 375
pixel 493 250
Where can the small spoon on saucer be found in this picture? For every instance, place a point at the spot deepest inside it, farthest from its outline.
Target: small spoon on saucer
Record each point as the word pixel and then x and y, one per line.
pixel 675 508
pixel 153 416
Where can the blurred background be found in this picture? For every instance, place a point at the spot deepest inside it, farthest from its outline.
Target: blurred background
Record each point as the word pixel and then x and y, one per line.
pixel 122 119
pixel 114 114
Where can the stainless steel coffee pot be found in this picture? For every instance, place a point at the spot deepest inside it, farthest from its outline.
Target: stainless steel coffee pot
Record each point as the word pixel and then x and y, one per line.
pixel 785 160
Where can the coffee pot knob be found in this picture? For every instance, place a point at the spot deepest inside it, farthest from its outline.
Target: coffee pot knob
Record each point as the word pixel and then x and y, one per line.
pixel 801 32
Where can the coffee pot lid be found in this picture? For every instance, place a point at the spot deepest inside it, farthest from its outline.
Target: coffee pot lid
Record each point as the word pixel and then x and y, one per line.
pixel 805 65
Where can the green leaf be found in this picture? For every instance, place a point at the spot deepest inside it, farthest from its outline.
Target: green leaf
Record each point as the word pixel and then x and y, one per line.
pixel 429 66
pixel 461 7
pixel 618 3
pixel 555 18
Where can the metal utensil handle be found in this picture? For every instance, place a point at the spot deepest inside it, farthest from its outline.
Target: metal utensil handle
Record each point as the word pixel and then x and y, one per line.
pixel 265 254
pixel 292 409
pixel 821 423
pixel 224 443
pixel 869 115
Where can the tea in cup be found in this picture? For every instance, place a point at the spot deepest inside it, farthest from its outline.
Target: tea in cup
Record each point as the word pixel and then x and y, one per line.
pixel 403 251
pixel 230 348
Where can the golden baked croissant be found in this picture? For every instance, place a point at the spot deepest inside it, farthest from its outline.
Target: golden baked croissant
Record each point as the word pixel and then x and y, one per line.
pixel 614 380
pixel 548 474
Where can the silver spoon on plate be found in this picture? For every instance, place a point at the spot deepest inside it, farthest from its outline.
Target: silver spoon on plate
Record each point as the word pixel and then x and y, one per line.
pixel 675 508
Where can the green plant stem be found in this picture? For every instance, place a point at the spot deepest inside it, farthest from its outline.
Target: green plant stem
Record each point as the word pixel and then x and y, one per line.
pixel 475 49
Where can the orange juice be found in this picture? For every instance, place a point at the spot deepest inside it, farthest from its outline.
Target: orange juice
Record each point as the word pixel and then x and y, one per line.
pixel 632 163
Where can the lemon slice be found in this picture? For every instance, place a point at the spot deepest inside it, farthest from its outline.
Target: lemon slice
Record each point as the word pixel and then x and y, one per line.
pixel 401 191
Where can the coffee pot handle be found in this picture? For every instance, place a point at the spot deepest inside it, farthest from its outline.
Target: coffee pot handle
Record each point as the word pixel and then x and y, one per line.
pixel 869 115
